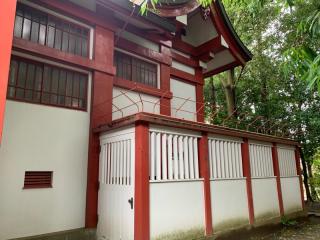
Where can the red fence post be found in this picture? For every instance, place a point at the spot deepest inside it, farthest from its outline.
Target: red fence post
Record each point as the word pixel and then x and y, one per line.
pixel 247 174
pixel 276 170
pixel 7 15
pixel 141 199
pixel 297 156
pixel 205 174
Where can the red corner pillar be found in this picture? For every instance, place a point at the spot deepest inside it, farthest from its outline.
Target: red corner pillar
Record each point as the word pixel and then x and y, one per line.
pixel 247 175
pixel 101 113
pixel 165 102
pixel 199 95
pixel 7 15
pixel 298 166
pixel 205 174
pixel 276 170
pixel 141 195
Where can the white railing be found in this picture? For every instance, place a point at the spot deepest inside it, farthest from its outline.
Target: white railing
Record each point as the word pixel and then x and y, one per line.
pixel 173 156
pixel 116 160
pixel 287 161
pixel 261 160
pixel 225 158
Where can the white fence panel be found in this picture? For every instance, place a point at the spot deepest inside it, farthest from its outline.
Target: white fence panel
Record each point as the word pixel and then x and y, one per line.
pixel 225 158
pixel 261 160
pixel 173 156
pixel 287 161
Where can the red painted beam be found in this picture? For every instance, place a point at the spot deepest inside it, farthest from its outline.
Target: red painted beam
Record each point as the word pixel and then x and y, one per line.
pixel 165 103
pixel 7 15
pixel 205 174
pixel 247 174
pixel 141 195
pixel 276 170
pixel 298 166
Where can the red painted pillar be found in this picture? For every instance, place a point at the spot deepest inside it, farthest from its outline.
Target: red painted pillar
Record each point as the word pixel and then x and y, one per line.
pixel 165 103
pixel 141 196
pixel 247 174
pixel 101 113
pixel 298 166
pixel 277 175
pixel 205 174
pixel 7 15
pixel 199 95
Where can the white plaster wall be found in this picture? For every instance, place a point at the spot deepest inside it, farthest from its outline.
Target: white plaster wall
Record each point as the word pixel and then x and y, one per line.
pixel 176 207
pixel 121 101
pixel 229 203
pixel 182 91
pixel 183 67
pixel 42 138
pixel 265 198
pixel 291 196
pixel 199 31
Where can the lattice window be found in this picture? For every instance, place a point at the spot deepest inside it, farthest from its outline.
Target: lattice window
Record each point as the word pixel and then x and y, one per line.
pixel 173 156
pixel 116 160
pixel 225 159
pixel 36 26
pixel 287 162
pixel 135 69
pixel 41 83
pixel 261 160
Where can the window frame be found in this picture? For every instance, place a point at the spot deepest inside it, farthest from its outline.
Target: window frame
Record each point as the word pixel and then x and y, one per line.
pixel 158 86
pixel 63 18
pixel 36 62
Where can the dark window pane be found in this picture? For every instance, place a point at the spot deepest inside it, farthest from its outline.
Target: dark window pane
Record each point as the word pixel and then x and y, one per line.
pixel 54 80
pixel 38 80
pixel 50 36
pixel 35 32
pixel 84 48
pixel 45 98
pixel 26 29
pixel 18 26
pixel 58 39
pixel 30 76
pixel 69 84
pixel 13 72
pixel 47 79
pixel 22 74
pixel 78 45
pixel 20 93
pixel 62 82
pixel 42 34
pixel 75 92
pixel 82 86
pixel 11 92
pixel 72 44
pixel 36 97
pixel 28 95
pixel 65 41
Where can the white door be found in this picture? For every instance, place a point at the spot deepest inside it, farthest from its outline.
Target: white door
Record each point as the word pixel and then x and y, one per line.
pixel 116 192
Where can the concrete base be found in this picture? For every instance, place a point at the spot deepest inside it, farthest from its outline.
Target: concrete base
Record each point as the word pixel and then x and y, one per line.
pixel 76 234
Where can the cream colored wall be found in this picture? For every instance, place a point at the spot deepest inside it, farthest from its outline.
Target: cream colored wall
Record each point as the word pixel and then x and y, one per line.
pixel 127 102
pixel 229 203
pixel 291 196
pixel 176 207
pixel 186 108
pixel 43 138
pixel 265 198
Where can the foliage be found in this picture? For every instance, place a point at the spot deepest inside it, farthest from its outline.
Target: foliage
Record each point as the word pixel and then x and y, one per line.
pixel 288 222
pixel 146 3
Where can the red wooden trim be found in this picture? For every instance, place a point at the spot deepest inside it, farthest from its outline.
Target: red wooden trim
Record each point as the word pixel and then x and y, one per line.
pixel 195 126
pixel 298 166
pixel 205 174
pixel 199 96
pixel 183 47
pixel 276 170
pixel 141 195
pixel 7 16
pixel 247 174
pixel 187 61
pixel 142 88
pixel 165 103
pixel 220 69
pixel 183 75
pixel 142 51
pixel 62 57
pixel 213 45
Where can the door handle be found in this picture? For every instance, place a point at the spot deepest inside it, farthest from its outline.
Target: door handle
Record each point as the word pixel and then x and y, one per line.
pixel 130 201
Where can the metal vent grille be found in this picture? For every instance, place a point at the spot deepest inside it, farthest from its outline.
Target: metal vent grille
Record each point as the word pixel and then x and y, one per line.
pixel 38 179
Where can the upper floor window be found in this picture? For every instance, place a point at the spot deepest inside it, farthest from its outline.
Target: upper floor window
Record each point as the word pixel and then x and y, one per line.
pixel 45 84
pixel 136 70
pixel 37 26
